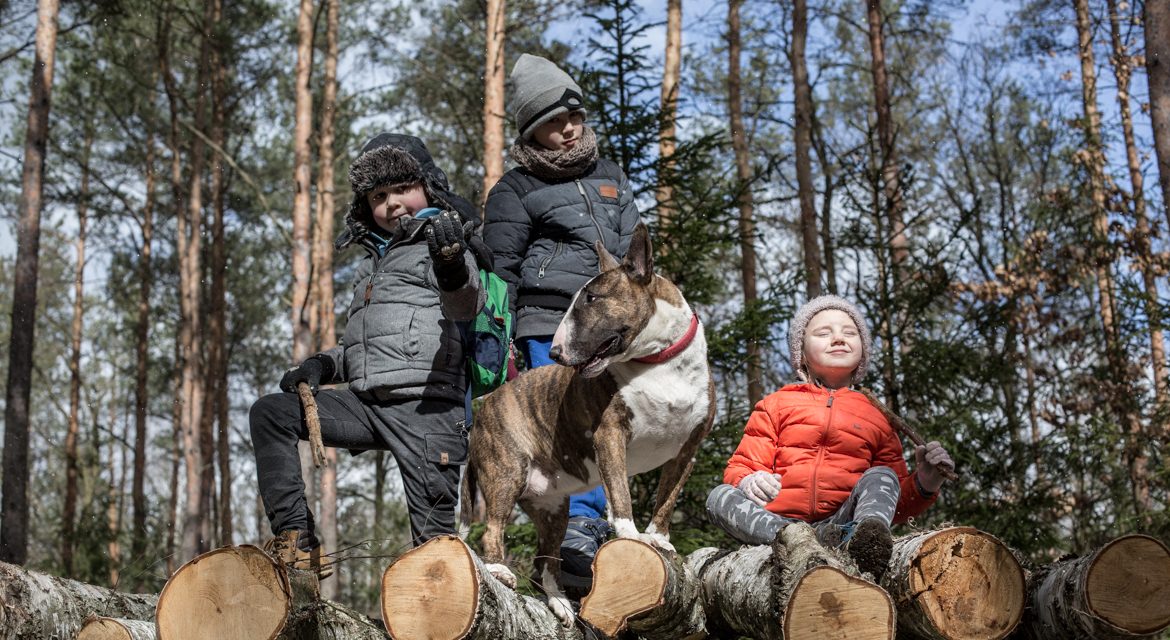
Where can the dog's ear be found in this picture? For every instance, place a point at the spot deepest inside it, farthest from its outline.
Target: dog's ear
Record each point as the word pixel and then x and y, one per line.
pixel 605 259
pixel 639 260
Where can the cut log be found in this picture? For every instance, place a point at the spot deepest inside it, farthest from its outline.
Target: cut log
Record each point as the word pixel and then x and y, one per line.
pixel 800 590
pixel 955 584
pixel 36 605
pixel 242 592
pixel 1119 592
pixel 645 590
pixel 441 591
pixel 101 628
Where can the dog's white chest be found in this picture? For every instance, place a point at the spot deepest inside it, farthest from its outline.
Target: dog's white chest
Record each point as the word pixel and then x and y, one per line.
pixel 666 404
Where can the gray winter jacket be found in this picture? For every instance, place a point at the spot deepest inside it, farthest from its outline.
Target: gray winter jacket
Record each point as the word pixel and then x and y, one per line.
pixel 542 234
pixel 401 339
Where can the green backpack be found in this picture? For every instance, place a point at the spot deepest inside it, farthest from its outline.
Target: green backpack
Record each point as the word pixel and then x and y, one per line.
pixel 488 338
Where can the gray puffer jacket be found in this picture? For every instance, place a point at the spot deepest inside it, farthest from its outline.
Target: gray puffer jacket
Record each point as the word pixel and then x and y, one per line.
pixel 402 339
pixel 542 234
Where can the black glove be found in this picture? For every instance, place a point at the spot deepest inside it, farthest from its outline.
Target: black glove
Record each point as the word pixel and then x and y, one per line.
pixel 312 370
pixel 447 242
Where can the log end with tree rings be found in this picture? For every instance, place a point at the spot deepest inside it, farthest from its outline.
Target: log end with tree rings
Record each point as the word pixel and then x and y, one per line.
pixel 102 628
pixel 231 592
pixel 828 604
pixel 967 584
pixel 431 591
pixel 629 577
pixel 1128 584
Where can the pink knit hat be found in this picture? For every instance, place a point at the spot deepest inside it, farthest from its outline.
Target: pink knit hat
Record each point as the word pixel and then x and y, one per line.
pixel 800 323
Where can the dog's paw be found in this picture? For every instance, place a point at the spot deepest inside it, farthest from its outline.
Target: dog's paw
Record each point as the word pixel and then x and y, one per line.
pixel 657 540
pixel 503 574
pixel 563 610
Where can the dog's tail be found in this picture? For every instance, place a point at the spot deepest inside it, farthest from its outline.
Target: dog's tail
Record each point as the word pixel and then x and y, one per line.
pixel 468 498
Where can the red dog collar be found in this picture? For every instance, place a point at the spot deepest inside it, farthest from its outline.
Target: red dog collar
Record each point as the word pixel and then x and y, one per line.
pixel 676 348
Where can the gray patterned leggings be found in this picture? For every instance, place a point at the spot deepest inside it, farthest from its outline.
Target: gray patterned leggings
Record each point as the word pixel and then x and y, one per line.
pixel 874 496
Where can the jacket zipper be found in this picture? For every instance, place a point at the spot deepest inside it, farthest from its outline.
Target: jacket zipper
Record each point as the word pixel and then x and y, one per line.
pixel 366 312
pixel 812 506
pixel 589 208
pixel 548 260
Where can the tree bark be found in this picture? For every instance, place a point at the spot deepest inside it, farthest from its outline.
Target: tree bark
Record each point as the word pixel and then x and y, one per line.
pixel 747 232
pixel 1123 65
pixel 803 116
pixel 797 590
pixel 36 605
pixel 241 592
pixel 891 181
pixel 14 509
pixel 302 185
pixel 102 628
pixel 1120 591
pixel 69 508
pixel 441 590
pixel 651 593
pixel 955 584
pixel 667 143
pixel 1156 24
pixel 493 97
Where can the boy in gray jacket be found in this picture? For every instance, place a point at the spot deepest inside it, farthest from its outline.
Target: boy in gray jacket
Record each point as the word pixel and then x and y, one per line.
pixel 401 354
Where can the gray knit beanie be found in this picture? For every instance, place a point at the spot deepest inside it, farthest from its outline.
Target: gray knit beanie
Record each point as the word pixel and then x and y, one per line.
pixel 540 92
pixel 800 323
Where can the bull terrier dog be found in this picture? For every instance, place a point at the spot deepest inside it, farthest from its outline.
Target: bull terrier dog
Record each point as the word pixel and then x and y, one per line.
pixel 634 393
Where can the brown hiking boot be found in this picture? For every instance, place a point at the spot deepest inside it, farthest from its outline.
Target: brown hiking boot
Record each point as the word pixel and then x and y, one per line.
pixel 871 545
pixel 300 550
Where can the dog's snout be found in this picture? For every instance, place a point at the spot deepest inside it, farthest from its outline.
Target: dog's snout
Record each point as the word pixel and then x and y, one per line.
pixel 556 353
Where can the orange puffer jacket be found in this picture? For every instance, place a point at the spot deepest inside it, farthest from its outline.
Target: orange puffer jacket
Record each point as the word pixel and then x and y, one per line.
pixel 820 442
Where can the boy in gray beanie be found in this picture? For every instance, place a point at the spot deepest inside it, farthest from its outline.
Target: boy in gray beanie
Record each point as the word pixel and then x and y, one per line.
pixel 820 452
pixel 401 356
pixel 542 220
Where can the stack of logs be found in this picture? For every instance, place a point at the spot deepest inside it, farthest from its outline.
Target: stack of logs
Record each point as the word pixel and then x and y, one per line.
pixel 950 584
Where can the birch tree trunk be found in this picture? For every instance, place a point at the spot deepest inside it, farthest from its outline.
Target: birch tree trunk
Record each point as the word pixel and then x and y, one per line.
pixel 37 605
pixel 1123 65
pixel 1094 158
pixel 747 228
pixel 14 508
pixel 667 143
pixel 69 509
pixel 325 329
pixel 803 133
pixel 955 584
pixel 440 590
pixel 493 96
pixel 1156 24
pixel 1119 592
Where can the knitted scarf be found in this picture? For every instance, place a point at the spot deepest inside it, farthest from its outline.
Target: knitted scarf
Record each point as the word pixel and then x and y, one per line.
pixel 557 165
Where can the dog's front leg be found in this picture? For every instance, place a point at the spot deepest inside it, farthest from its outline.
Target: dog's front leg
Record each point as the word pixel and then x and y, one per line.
pixel 550 531
pixel 610 442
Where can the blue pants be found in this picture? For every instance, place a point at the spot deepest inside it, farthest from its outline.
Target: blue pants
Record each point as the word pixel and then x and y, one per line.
pixel 590 504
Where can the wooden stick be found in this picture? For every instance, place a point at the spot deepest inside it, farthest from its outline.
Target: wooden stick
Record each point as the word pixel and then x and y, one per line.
pixel 905 429
pixel 314 424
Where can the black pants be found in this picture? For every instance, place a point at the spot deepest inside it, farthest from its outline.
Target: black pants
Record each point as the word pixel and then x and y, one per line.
pixel 426 437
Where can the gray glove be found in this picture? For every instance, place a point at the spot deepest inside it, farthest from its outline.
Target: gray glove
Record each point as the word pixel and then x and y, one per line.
pixel 761 487
pixel 930 459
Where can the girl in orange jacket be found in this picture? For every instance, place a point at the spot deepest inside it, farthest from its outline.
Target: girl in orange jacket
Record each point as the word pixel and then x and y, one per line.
pixel 821 453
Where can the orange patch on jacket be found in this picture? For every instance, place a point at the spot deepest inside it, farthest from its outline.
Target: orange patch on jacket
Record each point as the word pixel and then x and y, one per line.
pixel 608 191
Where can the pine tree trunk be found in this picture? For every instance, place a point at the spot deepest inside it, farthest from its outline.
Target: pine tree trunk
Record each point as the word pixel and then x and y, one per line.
pixel 241 592
pixel 747 230
pixel 325 328
pixel 14 510
pixel 1119 592
pixel 803 133
pixel 69 508
pixel 493 96
pixel 442 591
pixel 102 628
pixel 1123 65
pixel 142 364
pixel 826 218
pixel 37 605
pixel 671 66
pixel 1094 158
pixel 1156 23
pixel 302 185
pixel 955 584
